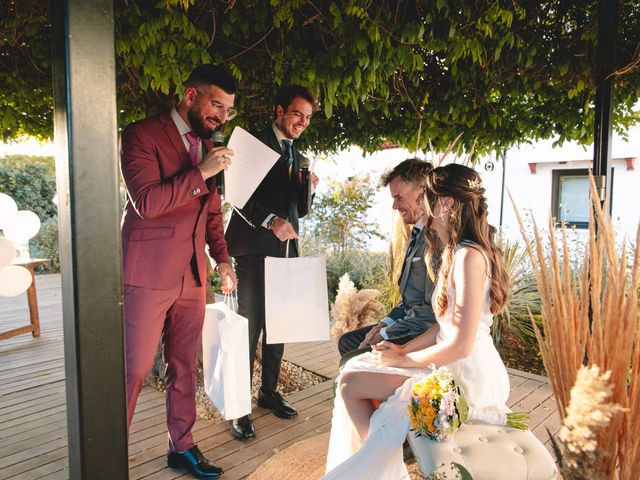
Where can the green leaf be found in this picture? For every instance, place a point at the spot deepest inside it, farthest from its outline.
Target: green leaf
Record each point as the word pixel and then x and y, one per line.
pixel 328 109
pixel 464 473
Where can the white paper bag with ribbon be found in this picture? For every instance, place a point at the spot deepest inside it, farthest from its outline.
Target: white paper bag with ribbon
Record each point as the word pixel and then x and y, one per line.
pixel 296 300
pixel 225 358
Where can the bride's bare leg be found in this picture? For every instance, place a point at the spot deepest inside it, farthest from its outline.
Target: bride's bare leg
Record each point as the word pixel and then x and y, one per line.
pixel 359 388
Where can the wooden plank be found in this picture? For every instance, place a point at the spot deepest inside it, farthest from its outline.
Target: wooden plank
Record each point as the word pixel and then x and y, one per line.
pixel 521 391
pixel 40 395
pixel 47 463
pixel 32 382
pixel 16 412
pixel 36 371
pixel 32 453
pixel 216 440
pixel 221 445
pixel 34 434
pixel 29 443
pixel 59 475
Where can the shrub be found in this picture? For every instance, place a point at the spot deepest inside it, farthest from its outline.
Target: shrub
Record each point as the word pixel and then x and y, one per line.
pixel 45 245
pixel 31 182
pixel 523 296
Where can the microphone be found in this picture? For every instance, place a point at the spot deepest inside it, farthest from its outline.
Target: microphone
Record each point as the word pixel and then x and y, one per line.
pixel 218 141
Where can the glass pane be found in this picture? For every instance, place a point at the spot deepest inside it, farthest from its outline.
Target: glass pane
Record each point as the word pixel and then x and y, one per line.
pixel 574 199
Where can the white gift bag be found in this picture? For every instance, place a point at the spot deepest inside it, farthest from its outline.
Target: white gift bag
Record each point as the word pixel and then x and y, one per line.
pixel 225 358
pixel 296 300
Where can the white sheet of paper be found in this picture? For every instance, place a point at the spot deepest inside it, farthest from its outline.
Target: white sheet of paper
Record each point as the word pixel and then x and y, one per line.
pixel 252 160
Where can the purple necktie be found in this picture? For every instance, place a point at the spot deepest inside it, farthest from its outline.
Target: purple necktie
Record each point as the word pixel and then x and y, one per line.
pixel 194 144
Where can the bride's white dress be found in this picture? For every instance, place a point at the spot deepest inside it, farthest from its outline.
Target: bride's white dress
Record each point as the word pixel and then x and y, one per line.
pixel 481 376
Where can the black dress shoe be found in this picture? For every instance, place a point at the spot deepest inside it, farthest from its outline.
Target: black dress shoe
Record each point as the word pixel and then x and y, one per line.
pixel 278 405
pixel 194 461
pixel 242 428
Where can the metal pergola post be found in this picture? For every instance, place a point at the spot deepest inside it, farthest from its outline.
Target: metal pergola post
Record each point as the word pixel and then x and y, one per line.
pixel 85 125
pixel 607 33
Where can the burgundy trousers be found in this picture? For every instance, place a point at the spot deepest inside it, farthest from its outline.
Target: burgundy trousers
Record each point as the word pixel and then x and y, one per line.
pixel 175 315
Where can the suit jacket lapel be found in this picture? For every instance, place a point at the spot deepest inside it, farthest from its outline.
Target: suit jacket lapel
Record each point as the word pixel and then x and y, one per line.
pixel 174 136
pixel 406 269
pixel 273 143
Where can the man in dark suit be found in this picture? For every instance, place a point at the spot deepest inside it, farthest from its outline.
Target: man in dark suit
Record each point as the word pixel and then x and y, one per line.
pixel 413 315
pixel 268 226
pixel 172 210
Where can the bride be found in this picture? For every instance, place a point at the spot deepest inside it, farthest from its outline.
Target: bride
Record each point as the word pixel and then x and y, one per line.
pixel 471 287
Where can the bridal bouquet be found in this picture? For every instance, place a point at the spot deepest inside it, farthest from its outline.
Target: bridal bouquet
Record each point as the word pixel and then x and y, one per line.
pixel 438 408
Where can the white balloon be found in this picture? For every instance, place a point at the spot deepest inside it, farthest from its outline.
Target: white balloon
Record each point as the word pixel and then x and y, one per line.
pixel 21 226
pixel 7 207
pixel 7 252
pixel 14 280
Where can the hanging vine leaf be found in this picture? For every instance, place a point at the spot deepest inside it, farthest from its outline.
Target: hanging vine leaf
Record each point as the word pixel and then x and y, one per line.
pixel 499 72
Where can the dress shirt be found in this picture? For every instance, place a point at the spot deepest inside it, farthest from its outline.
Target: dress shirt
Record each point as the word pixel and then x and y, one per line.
pixel 281 137
pixel 183 129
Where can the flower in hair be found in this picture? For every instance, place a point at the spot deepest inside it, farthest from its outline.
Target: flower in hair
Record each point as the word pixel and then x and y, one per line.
pixel 475 184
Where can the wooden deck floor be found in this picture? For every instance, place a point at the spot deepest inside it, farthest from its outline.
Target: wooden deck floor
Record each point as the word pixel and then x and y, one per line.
pixel 33 436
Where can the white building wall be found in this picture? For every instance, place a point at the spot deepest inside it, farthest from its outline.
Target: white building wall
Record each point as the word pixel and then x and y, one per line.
pixel 532 192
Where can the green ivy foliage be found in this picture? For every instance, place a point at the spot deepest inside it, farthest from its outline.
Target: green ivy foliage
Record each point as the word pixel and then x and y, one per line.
pixel 410 72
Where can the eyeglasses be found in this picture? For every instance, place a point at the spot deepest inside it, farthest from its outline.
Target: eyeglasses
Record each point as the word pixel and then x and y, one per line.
pixel 299 115
pixel 220 108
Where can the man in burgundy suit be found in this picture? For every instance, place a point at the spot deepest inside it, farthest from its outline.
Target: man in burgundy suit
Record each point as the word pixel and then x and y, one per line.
pixel 172 210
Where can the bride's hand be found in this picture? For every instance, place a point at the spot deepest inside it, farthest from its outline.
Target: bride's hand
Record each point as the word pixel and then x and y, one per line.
pixel 388 354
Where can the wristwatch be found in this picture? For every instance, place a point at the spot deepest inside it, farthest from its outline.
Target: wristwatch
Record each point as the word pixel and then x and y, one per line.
pixel 271 222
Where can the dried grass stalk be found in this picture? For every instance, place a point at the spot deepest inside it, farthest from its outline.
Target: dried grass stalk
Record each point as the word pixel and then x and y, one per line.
pixel 353 308
pixel 608 288
pixel 589 412
pixel 400 235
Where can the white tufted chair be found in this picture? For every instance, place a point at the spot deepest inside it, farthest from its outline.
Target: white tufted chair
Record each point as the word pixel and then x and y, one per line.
pixel 489 452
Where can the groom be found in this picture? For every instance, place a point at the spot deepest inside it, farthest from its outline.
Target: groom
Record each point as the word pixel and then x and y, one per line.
pixel 413 315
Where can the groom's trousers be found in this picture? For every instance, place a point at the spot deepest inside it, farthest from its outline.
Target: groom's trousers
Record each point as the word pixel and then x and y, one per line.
pixel 251 303
pixel 176 316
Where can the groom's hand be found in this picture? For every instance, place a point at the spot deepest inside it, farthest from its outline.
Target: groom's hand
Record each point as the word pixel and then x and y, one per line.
pixel 373 336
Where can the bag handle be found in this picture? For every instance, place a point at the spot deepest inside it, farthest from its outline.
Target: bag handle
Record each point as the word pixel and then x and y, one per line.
pixel 231 300
pixel 286 255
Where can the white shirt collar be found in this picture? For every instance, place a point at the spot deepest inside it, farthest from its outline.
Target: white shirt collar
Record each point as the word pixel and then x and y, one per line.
pixel 183 127
pixel 279 135
pixel 419 224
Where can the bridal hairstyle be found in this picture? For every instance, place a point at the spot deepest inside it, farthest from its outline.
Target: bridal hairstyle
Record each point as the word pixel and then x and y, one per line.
pixel 467 220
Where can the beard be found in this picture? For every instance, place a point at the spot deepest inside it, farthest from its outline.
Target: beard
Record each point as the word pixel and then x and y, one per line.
pixel 198 124
pixel 286 130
